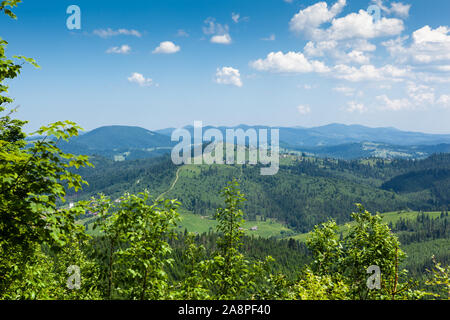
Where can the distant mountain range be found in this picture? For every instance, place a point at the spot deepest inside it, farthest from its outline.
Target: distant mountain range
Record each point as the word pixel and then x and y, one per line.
pixel 337 134
pixel 334 140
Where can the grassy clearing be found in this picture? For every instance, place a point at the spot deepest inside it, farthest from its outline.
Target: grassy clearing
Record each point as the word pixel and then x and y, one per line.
pixel 266 229
pixel 196 223
pixel 388 217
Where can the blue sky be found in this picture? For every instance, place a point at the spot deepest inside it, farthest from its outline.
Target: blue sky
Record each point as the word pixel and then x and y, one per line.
pixel 166 63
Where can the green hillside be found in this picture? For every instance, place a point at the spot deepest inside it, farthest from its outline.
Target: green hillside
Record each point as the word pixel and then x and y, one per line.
pixel 388 217
pixel 306 190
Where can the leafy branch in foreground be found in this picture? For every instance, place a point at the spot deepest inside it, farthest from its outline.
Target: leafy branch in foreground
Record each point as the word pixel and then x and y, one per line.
pixel 136 231
pixel 233 276
pixel 368 242
pixel 440 278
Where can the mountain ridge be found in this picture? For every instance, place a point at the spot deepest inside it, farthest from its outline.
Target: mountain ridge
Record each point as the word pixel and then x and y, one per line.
pixel 336 134
pixel 334 140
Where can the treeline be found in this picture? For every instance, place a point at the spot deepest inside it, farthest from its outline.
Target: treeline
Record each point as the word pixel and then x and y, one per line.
pixel 422 237
pixel 423 228
pixel 289 255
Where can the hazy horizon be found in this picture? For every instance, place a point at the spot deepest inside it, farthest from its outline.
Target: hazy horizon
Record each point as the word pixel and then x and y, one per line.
pixel 255 125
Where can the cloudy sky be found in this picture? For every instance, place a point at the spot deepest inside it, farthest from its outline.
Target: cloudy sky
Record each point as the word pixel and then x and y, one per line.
pixel 166 63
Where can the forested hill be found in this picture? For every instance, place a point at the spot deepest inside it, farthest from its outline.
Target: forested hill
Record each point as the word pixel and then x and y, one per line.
pixel 334 140
pixel 338 134
pixel 305 192
pixel 119 143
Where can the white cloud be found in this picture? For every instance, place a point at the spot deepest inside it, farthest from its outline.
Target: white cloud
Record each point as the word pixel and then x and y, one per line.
pixel 444 101
pixel 353 106
pixel 348 51
pixel 167 47
pixel 395 104
pixel 397 8
pixel 221 39
pixel 212 27
pixel 220 33
pixel 303 109
pixel 428 46
pixel 309 19
pixel 359 25
pixel 445 68
pixel 362 25
pixel 291 62
pixel 426 34
pixel 140 79
pixel 106 33
pixel 123 49
pixel 228 75
pixel 358 57
pixel 400 9
pixel 370 72
pixel 319 49
pixel 362 45
pixel 421 95
pixel 345 90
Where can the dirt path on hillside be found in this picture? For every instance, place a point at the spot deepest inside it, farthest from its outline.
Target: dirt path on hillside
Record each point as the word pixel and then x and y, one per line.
pixel 173 184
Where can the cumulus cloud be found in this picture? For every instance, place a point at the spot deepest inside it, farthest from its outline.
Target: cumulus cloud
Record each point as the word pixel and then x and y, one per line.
pixel 309 19
pixel 296 62
pixel 291 62
pixel 394 104
pixel 445 68
pixel 397 8
pixel 421 95
pixel 321 48
pixel 369 73
pixel 221 39
pixel 400 9
pixel 428 35
pixel 418 96
pixel 444 101
pixel 362 25
pixel 140 80
pixel 428 46
pixel 303 109
pixel 167 47
pixel 345 90
pixel 228 75
pixel 123 49
pixel 219 33
pixel 349 51
pixel 354 25
pixel 107 33
pixel 358 57
pixel 353 106
pixel 344 39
